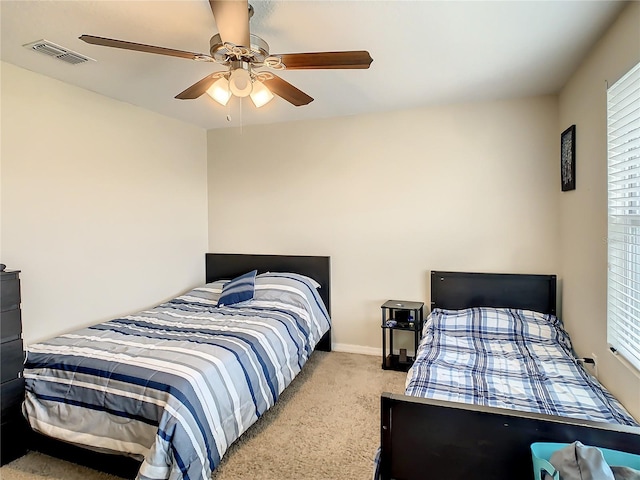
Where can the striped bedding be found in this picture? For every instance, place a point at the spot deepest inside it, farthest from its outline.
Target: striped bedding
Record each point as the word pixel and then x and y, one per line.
pixel 177 384
pixel 508 358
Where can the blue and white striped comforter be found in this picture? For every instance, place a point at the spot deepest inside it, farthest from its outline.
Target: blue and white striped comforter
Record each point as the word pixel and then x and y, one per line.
pixel 177 384
pixel 506 358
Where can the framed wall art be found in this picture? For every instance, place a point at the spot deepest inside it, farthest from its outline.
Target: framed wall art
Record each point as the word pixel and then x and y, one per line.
pixel 568 158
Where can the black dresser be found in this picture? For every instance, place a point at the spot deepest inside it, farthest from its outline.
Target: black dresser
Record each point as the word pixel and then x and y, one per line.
pixel 13 428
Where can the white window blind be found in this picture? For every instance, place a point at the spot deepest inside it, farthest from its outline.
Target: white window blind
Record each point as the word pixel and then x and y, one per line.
pixel 623 284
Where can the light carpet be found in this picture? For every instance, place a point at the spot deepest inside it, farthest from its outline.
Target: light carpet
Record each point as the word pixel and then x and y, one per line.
pixel 325 426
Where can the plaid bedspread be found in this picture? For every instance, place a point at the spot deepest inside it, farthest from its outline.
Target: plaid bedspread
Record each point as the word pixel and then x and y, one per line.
pixel 177 384
pixel 506 358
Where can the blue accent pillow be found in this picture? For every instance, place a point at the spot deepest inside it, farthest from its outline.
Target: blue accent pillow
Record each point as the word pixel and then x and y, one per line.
pixel 240 289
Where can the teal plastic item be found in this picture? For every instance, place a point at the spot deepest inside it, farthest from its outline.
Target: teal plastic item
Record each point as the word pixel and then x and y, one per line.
pixel 541 453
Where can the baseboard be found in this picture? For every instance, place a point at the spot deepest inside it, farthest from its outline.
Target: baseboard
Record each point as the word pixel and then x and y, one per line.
pixel 376 352
pixel 347 348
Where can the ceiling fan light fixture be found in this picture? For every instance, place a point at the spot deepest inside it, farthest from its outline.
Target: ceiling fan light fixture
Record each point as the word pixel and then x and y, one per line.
pixel 219 91
pixel 260 95
pixel 240 82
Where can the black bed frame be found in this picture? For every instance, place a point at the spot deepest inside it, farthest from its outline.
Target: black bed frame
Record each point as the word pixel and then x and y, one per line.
pixel 221 266
pixel 218 266
pixel 424 438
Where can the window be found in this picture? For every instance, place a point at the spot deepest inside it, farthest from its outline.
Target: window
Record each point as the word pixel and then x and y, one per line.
pixel 623 285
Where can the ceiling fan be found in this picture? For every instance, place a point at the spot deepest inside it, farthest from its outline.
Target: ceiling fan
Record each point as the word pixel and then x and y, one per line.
pixel 243 53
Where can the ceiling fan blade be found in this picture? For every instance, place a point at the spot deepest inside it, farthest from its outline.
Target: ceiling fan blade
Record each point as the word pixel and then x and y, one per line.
pixel 285 90
pixel 198 88
pixel 140 47
pixel 308 61
pixel 232 20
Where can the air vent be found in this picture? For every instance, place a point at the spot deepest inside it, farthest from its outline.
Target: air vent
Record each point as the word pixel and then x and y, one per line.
pixel 56 51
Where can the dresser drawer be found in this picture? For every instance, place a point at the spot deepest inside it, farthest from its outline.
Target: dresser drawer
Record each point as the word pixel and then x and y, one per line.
pixel 13 440
pixel 11 396
pixel 10 325
pixel 9 294
pixel 12 358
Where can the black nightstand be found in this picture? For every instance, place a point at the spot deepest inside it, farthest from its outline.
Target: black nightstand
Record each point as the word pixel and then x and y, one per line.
pixel 400 315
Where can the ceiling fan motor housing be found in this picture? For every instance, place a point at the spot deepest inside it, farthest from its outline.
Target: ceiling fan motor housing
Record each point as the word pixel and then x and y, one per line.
pixel 224 53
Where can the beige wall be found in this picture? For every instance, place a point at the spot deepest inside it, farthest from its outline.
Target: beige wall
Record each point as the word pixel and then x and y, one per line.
pixel 104 205
pixel 392 196
pixel 583 212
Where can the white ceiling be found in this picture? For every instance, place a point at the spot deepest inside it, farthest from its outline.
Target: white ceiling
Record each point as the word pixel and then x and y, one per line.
pixel 424 52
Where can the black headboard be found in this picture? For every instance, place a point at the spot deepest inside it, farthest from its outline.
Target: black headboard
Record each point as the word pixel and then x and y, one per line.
pixel 460 290
pixel 229 265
